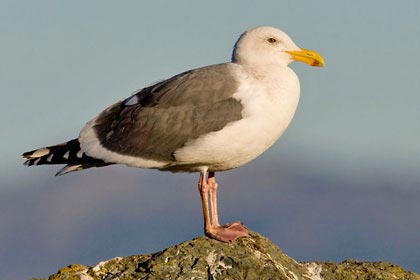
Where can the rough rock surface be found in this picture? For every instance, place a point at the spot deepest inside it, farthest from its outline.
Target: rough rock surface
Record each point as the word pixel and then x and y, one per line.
pixel 247 258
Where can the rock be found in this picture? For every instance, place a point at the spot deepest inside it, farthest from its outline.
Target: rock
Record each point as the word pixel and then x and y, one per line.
pixel 247 258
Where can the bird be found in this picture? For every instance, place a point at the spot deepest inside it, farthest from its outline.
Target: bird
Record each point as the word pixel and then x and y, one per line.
pixel 206 120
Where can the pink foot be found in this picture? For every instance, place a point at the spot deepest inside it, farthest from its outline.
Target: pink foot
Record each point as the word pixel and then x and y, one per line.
pixel 228 232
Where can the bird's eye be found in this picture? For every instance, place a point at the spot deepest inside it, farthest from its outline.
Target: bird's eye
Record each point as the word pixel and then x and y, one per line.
pixel 271 40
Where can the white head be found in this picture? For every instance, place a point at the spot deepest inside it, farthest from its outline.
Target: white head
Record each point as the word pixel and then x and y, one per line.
pixel 268 45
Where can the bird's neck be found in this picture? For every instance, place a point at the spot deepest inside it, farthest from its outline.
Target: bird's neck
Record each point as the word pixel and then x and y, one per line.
pixel 272 73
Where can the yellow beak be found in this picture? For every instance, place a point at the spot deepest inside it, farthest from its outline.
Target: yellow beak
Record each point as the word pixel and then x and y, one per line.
pixel 310 57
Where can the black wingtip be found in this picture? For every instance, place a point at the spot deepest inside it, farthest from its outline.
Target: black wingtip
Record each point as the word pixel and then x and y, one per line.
pixel 27 155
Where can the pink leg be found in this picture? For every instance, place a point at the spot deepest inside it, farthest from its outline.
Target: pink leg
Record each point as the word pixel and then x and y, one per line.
pixel 224 233
pixel 211 181
pixel 204 191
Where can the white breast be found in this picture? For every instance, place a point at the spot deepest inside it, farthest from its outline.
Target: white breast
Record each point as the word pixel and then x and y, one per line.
pixel 270 97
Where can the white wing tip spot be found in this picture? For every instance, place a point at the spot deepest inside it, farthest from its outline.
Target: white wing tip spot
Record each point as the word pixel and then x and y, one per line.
pixel 50 158
pixel 79 154
pixel 40 153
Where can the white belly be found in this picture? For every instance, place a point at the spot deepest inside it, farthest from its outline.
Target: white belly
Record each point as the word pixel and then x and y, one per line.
pixel 267 113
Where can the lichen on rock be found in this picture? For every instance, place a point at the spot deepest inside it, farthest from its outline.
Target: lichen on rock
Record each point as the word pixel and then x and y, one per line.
pixel 255 257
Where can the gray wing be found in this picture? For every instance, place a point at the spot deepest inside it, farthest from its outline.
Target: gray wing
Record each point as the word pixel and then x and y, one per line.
pixel 156 121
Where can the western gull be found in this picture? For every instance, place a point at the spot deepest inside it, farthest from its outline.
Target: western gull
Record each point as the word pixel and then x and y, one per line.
pixel 205 120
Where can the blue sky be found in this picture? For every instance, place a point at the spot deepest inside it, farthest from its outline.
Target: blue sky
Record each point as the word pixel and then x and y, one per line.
pixel 342 182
